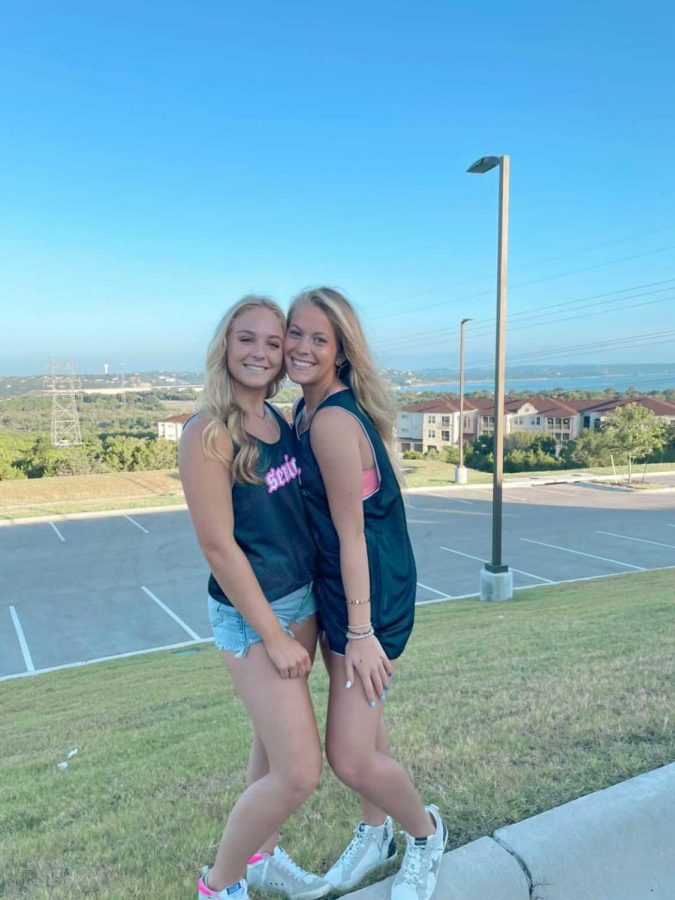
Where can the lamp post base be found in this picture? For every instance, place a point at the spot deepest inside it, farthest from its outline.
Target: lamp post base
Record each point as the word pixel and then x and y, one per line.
pixel 496 585
pixel 461 475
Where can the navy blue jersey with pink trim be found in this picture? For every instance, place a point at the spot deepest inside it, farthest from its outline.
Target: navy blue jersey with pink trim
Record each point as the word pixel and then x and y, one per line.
pixel 270 521
pixel 393 577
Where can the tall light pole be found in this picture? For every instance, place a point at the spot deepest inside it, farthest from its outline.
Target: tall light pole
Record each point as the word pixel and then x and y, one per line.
pixel 460 471
pixel 496 581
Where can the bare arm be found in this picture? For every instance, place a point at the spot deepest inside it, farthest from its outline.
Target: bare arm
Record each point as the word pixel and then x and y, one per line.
pixel 208 491
pixel 335 436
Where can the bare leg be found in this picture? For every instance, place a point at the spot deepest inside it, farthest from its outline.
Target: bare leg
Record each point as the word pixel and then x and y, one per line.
pixel 371 814
pixel 351 746
pixel 283 718
pixel 258 764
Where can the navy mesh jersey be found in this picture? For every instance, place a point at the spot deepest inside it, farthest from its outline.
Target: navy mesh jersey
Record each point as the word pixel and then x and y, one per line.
pixel 393 577
pixel 270 521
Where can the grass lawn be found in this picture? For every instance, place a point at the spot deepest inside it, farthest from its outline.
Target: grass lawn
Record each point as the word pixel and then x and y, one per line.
pixel 436 473
pixel 71 494
pixel 499 711
pixel 86 493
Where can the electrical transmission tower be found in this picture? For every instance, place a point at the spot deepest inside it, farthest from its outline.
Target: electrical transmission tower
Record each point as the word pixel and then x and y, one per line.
pixel 65 420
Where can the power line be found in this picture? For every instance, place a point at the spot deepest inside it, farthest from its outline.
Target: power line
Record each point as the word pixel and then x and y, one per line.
pixel 527 314
pixel 522 327
pixel 512 287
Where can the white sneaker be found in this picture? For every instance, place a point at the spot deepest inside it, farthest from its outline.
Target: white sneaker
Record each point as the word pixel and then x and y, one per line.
pixel 371 848
pixel 236 891
pixel 416 879
pixel 278 874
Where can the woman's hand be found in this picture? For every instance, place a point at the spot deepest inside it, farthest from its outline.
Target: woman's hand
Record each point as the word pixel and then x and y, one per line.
pixel 288 655
pixel 367 658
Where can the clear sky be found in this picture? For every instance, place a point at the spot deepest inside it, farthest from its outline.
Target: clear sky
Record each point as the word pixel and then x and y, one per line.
pixel 159 160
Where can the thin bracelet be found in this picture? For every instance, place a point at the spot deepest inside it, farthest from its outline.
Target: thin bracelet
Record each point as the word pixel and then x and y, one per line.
pixel 358 602
pixel 359 637
pixel 359 625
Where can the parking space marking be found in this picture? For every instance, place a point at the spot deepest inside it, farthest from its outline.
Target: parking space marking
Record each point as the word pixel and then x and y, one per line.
pixel 170 612
pixel 27 658
pixel 58 532
pixel 434 591
pixel 513 568
pixel 580 553
pixel 90 662
pixel 640 540
pixel 134 522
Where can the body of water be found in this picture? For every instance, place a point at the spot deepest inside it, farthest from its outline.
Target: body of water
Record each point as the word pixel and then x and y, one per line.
pixel 645 383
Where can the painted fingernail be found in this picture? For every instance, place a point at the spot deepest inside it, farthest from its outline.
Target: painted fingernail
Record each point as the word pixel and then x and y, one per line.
pixel 373 703
pixel 348 684
pixel 383 697
pixel 386 687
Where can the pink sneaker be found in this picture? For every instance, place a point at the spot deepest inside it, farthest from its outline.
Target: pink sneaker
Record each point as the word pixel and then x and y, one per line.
pixel 236 891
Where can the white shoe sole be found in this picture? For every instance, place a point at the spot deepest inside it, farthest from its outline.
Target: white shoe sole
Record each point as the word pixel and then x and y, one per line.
pixel 348 885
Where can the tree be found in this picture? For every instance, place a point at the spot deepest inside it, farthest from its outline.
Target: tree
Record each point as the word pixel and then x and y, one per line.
pixel 633 432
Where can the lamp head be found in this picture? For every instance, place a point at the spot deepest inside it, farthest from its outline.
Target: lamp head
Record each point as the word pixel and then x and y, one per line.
pixel 484 164
pixel 464 321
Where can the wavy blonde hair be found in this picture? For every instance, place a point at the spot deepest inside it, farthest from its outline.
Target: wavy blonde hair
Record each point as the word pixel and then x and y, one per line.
pixel 358 371
pixel 218 402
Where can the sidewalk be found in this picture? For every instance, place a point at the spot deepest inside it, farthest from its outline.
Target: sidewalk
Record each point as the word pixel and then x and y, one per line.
pixel 615 844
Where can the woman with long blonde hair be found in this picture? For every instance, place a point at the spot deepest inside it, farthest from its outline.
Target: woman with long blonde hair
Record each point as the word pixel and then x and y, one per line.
pixel 365 585
pixel 240 477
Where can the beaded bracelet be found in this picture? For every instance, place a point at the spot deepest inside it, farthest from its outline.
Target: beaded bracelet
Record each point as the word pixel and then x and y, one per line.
pixel 358 602
pixel 359 637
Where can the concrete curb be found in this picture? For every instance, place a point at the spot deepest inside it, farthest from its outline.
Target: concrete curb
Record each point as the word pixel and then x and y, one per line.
pixel 615 844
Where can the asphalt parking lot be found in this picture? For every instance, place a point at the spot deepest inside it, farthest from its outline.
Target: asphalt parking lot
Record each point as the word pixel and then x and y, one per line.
pixel 81 589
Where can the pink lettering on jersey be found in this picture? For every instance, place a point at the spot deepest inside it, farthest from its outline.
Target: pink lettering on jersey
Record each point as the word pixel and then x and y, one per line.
pixel 278 476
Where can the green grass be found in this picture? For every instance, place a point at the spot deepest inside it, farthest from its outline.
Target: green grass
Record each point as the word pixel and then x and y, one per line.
pixel 436 473
pixel 499 711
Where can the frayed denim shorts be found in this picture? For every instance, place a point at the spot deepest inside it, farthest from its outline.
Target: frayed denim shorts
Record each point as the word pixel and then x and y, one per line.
pixel 232 632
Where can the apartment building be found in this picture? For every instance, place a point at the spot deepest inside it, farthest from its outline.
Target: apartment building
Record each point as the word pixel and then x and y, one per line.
pixel 171 428
pixel 434 424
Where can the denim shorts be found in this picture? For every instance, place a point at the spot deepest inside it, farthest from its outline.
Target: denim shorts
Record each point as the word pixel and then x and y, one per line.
pixel 232 632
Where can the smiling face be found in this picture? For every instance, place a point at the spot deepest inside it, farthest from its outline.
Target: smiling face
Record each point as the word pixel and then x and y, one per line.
pixel 311 348
pixel 255 343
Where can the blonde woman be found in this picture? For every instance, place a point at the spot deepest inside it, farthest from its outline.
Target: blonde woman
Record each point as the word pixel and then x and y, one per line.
pixel 365 584
pixel 240 476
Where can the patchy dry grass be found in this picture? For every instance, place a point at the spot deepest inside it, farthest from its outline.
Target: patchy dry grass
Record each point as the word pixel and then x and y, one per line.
pixel 85 493
pixel 499 712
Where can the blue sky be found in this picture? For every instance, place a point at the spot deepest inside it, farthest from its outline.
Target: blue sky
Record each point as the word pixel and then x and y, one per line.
pixel 160 160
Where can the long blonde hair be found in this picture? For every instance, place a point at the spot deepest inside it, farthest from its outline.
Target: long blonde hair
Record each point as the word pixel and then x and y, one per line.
pixel 218 402
pixel 358 371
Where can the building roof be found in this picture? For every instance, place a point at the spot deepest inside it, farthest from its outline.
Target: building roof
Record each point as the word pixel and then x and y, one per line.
pixel 658 407
pixel 444 405
pixel 182 419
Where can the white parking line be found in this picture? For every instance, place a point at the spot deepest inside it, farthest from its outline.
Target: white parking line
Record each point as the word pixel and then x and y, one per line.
pixel 640 540
pixel 170 612
pixel 580 553
pixel 58 532
pixel 100 659
pixel 434 591
pixel 513 568
pixel 22 640
pixel 134 522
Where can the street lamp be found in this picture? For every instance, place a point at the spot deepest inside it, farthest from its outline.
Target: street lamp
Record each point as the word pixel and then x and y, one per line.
pixel 460 471
pixel 496 579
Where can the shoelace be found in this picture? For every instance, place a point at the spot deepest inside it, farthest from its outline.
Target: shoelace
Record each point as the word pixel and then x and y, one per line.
pixel 413 862
pixel 353 846
pixel 291 866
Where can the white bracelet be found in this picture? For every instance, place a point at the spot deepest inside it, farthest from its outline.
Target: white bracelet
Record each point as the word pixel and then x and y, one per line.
pixel 359 637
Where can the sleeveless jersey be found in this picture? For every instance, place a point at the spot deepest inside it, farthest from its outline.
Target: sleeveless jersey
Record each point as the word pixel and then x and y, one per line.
pixel 393 577
pixel 270 521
